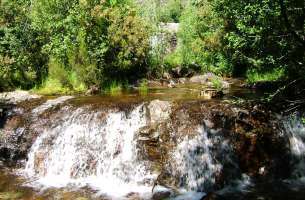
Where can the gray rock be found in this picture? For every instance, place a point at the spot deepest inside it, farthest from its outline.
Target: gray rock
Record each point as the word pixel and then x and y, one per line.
pixel 171 84
pixel 159 110
pixel 94 89
pixel 198 79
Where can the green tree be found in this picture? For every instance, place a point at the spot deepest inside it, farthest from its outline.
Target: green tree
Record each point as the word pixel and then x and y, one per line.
pixel 257 38
pixel 21 62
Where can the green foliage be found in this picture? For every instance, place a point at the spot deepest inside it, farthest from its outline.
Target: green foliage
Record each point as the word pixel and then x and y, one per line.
pixel 94 42
pixel 60 80
pixel 21 63
pixel 157 11
pixel 201 35
pixel 70 45
pixel 173 59
pixel 170 11
pixel 257 37
pixel 256 76
pixel 303 120
pixel 129 44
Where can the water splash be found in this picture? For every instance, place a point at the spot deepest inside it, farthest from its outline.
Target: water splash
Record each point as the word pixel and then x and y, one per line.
pixel 92 148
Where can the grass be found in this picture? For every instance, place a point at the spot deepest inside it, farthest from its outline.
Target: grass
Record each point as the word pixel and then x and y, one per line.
pixel 143 89
pixel 114 88
pixel 51 87
pixel 255 76
pixel 217 83
pixel 55 87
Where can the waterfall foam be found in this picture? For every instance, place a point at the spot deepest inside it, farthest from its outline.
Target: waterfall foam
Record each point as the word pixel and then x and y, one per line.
pixel 92 148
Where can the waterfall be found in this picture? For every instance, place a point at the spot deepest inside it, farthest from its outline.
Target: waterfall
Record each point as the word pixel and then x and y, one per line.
pixel 295 128
pixel 99 148
pixel 92 148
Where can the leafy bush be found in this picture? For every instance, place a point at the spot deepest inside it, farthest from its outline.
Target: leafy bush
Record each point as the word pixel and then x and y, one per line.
pixel 201 35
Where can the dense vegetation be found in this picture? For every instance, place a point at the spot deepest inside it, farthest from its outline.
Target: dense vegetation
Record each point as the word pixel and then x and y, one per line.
pixel 70 45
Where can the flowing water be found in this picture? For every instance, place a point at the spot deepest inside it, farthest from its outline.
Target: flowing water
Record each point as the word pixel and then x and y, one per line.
pixel 82 149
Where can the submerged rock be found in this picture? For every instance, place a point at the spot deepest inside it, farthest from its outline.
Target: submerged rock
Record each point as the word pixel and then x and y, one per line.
pixel 154 83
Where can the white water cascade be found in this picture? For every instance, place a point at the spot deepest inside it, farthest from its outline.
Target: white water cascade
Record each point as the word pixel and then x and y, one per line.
pixel 200 159
pixel 80 147
pixel 194 162
pixel 92 148
pixel 295 129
